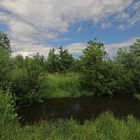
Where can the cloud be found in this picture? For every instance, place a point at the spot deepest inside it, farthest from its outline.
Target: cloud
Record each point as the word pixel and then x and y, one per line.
pixel 106 25
pixel 113 48
pixel 49 18
pixel 79 29
pixel 34 22
pixel 77 48
pixel 74 48
pixel 129 17
pixel 30 49
pixel 123 15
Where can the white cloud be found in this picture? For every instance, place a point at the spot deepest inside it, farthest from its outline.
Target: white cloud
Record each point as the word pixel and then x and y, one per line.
pixel 113 48
pixel 77 48
pixel 130 17
pixel 79 29
pixel 30 49
pixel 35 21
pixel 106 25
pixel 123 15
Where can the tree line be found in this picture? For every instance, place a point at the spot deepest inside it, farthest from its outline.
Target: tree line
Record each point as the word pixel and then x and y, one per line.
pixel 98 74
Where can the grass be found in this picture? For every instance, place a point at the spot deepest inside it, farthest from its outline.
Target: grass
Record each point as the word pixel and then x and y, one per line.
pixel 137 96
pixel 62 85
pixel 105 127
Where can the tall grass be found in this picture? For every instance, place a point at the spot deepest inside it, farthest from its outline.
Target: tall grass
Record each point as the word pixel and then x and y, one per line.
pixel 62 85
pixel 105 127
pixel 7 110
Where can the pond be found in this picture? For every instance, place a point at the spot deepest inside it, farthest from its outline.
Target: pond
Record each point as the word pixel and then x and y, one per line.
pixel 81 109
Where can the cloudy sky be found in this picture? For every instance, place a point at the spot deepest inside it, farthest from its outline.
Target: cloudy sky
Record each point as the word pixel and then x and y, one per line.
pixel 38 25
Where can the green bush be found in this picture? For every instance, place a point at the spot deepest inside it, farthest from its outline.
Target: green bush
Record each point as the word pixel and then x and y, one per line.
pixel 26 80
pixel 7 108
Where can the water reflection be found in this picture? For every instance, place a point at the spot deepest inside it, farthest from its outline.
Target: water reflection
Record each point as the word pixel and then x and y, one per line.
pixel 81 109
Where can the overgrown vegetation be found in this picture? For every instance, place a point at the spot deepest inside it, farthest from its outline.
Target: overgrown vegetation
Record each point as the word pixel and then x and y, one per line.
pixel 61 75
pixel 8 115
pixel 105 127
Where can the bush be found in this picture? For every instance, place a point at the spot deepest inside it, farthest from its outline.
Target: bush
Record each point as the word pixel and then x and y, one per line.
pixel 7 108
pixel 26 80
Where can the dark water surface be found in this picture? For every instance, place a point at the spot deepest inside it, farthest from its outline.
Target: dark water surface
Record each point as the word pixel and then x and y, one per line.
pixel 81 109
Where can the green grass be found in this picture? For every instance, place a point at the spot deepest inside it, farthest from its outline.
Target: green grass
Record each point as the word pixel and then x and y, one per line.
pixel 105 127
pixel 137 96
pixel 62 85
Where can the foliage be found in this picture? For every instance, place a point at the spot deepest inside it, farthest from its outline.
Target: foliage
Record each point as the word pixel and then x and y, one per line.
pixel 130 59
pixel 26 78
pixel 7 108
pixel 61 62
pixel 4 68
pixel 92 73
pixel 92 62
pixel 77 66
pixel 53 62
pixel 4 41
pixel 105 127
pixel 64 85
pixel 66 60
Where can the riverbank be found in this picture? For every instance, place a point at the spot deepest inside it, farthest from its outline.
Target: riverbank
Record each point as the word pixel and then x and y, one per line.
pixel 80 109
pixel 56 86
pixel 105 127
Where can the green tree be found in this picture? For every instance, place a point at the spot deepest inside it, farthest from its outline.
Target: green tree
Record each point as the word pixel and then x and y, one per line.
pixel 53 62
pixel 26 79
pixel 4 68
pixel 5 64
pixel 66 60
pixel 102 76
pixel 4 41
pixel 92 63
pixel 76 67
pixel 130 59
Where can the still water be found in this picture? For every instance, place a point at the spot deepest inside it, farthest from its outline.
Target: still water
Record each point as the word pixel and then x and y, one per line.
pixel 81 109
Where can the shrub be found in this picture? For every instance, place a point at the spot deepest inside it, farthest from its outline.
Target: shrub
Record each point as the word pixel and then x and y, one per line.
pixel 7 108
pixel 26 80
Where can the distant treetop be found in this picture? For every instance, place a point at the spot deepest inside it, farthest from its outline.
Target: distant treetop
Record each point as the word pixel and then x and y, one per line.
pixel 4 41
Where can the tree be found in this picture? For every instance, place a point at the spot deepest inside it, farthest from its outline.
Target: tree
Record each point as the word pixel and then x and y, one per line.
pixel 53 62
pixel 66 60
pixel 130 59
pixel 4 41
pixel 26 79
pixel 76 66
pixel 4 68
pixel 61 62
pixel 4 60
pixel 92 63
pixel 102 76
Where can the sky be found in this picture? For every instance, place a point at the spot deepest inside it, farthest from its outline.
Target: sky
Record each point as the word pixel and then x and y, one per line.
pixel 39 25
